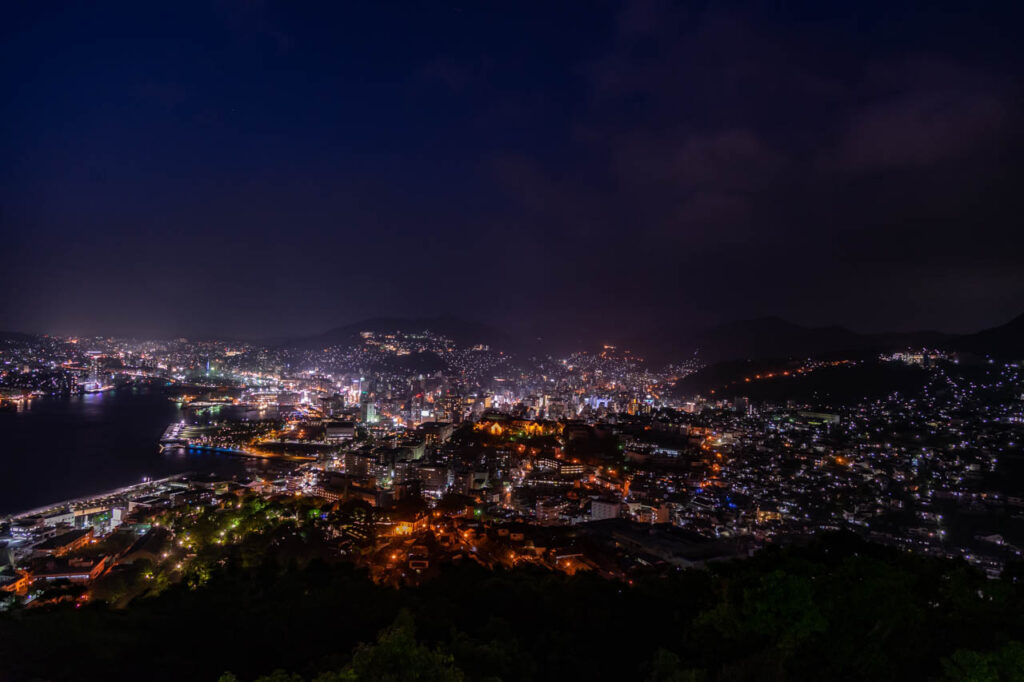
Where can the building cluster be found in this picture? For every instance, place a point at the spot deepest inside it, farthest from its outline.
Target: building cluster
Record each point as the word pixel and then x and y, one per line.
pixel 589 462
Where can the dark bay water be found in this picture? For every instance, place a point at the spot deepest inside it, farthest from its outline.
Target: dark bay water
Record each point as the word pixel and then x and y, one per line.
pixel 58 448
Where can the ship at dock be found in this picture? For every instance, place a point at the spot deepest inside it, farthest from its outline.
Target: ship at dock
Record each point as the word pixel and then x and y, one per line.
pixel 173 435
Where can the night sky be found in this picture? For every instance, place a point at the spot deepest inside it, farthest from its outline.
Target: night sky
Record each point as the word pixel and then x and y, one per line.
pixel 267 169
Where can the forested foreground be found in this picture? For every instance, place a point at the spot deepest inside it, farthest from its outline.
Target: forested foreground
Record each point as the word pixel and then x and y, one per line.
pixel 838 609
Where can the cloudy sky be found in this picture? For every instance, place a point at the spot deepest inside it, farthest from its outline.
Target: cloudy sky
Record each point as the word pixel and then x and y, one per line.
pixel 269 169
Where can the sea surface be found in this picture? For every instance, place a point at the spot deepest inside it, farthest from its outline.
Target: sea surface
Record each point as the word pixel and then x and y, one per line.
pixel 59 448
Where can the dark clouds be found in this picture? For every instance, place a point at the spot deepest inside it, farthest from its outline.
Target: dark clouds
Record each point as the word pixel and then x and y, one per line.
pixel 259 170
pixel 787 169
pixel 924 114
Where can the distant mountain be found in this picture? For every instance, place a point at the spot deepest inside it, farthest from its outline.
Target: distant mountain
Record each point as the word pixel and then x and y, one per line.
pixel 463 332
pixel 17 337
pixel 769 337
pixel 1006 340
pixel 773 337
pixel 781 380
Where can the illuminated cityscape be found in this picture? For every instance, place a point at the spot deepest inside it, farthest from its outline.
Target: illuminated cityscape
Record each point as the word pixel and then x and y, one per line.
pixel 598 462
pixel 635 341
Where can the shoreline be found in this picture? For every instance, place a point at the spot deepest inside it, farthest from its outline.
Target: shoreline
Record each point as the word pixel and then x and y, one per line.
pixel 55 506
pixel 89 498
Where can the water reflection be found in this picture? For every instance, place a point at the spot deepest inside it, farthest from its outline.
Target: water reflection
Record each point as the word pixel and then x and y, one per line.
pixel 59 448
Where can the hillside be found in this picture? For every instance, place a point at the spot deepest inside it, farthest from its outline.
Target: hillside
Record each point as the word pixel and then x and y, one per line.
pixel 837 609
pixel 1006 340
pixel 772 337
pixel 825 387
pixel 463 332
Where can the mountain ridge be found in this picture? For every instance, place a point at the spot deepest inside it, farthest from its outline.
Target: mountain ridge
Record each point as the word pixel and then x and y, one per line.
pixel 760 338
pixel 1006 340
pixel 462 331
pixel 768 337
pixel 751 339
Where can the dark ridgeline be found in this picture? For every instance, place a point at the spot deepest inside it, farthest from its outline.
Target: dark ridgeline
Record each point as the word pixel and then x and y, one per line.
pixel 461 331
pixel 1006 340
pixel 757 339
pixel 773 337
